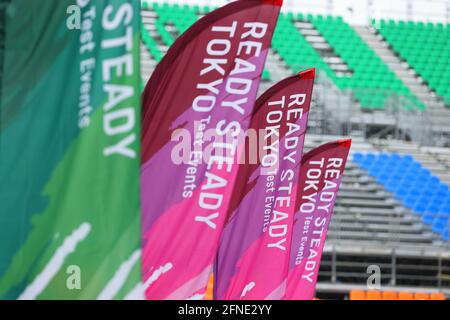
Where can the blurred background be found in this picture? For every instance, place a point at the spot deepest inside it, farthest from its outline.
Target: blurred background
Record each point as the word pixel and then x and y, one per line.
pixel 383 78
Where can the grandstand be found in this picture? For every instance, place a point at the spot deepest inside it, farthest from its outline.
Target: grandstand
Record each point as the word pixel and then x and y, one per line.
pixel 386 85
pixel 372 225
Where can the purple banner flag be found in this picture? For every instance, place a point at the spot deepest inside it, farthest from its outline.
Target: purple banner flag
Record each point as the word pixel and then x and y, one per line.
pixel 253 256
pixel 320 178
pixel 201 94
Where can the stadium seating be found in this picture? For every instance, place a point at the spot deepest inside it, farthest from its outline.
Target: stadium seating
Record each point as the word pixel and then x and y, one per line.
pixel 426 48
pixel 151 45
pixel 413 184
pixel 371 82
pixel 293 47
pixel 180 17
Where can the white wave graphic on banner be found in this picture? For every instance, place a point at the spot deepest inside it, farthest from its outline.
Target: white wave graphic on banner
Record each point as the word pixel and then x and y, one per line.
pixel 33 290
pixel 138 292
pixel 119 278
pixel 248 288
pixel 197 297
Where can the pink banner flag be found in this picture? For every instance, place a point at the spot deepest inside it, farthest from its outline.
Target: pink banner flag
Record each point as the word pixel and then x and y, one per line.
pixel 197 102
pixel 320 178
pixel 253 256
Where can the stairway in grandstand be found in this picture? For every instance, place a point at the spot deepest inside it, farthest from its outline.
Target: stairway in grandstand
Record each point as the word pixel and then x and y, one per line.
pixel 367 72
pixel 326 52
pixel 435 107
pixel 151 51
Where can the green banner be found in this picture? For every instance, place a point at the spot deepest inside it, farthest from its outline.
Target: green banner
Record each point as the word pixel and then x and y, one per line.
pixel 69 149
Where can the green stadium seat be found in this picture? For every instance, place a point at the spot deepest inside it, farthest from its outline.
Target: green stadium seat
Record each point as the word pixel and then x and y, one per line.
pixel 372 81
pixel 182 17
pixel 265 75
pixel 426 48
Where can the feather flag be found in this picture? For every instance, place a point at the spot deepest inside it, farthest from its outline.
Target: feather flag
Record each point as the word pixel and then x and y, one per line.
pixel 320 178
pixel 197 102
pixel 253 257
pixel 69 149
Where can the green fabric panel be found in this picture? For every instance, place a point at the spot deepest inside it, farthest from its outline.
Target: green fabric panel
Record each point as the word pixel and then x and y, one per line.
pixel 67 199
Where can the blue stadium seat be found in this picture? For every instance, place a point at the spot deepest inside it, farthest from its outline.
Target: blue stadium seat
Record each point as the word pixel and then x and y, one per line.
pixel 358 157
pixel 428 218
pixel 412 184
pixel 420 208
pixel 439 224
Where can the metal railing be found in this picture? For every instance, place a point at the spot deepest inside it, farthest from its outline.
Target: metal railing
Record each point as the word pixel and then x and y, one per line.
pixel 339 266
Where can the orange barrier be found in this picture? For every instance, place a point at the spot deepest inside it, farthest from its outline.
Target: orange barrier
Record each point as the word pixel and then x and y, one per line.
pixel 389 295
pixel 393 295
pixel 421 296
pixel 373 295
pixel 363 295
pixel 437 296
pixel 209 289
pixel 357 295
pixel 405 295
